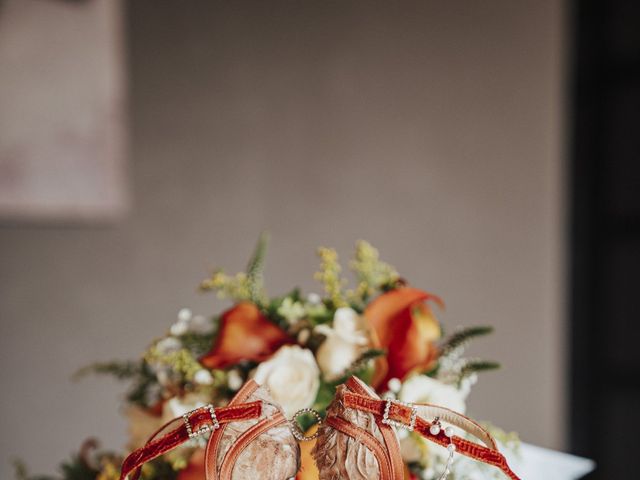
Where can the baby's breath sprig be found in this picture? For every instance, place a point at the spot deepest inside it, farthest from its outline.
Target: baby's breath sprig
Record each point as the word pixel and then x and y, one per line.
pixel 329 275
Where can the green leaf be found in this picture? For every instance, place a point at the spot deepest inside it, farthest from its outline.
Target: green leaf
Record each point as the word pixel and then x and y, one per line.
pixel 76 469
pixel 324 397
pixel 197 343
pixel 159 469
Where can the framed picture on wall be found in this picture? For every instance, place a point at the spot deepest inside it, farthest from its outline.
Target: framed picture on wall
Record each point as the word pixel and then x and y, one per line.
pixel 62 111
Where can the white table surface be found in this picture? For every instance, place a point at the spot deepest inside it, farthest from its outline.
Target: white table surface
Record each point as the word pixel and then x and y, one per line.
pixel 537 463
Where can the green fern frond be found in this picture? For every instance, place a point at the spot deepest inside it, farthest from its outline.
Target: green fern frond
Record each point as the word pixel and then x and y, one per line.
pixel 20 470
pixel 362 361
pixel 255 269
pixel 462 337
pixel 472 366
pixel 119 370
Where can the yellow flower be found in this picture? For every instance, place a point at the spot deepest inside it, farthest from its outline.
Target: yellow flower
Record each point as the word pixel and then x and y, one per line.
pixel 329 275
pixel 110 471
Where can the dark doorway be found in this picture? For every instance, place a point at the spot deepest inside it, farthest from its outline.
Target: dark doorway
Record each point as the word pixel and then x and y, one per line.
pixel 605 244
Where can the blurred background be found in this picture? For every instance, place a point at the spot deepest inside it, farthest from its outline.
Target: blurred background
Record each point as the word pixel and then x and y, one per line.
pixel 488 149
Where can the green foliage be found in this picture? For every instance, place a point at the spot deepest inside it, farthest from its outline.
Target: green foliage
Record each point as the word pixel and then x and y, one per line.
pixel 462 337
pixel 255 270
pixel 140 392
pixel 119 370
pixel 197 343
pixel 452 367
pixel 76 469
pixel 361 367
pixel 471 366
pixel 73 469
pixel 21 472
pixel 243 286
pixel 159 469
pixel 325 394
pixel 143 379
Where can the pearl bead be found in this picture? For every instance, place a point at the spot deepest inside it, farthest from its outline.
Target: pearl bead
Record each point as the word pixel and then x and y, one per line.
pixel 179 328
pixel 451 447
pixel 448 432
pixel 314 299
pixel 203 377
pixel 394 385
pixel 435 429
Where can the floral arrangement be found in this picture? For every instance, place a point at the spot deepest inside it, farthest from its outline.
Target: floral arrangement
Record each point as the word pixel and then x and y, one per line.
pixel 301 347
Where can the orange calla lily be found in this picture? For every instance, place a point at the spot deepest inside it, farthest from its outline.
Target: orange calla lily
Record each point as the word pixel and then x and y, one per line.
pixel 308 469
pixel 245 334
pixel 406 327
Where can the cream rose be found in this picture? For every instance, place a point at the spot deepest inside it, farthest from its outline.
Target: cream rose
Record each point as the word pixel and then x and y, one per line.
pixel 345 342
pixel 292 376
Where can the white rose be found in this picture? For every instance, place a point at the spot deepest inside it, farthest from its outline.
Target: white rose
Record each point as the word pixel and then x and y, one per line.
pixel 178 406
pixel 423 389
pixel 292 376
pixel 345 342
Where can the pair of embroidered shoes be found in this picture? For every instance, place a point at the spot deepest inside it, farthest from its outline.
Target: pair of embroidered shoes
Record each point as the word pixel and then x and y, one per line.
pixel 252 439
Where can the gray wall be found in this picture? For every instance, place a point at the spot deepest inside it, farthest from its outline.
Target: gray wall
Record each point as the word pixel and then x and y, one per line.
pixel 433 129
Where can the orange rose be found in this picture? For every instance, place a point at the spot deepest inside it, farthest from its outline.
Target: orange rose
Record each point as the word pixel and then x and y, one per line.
pixel 245 334
pixel 406 327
